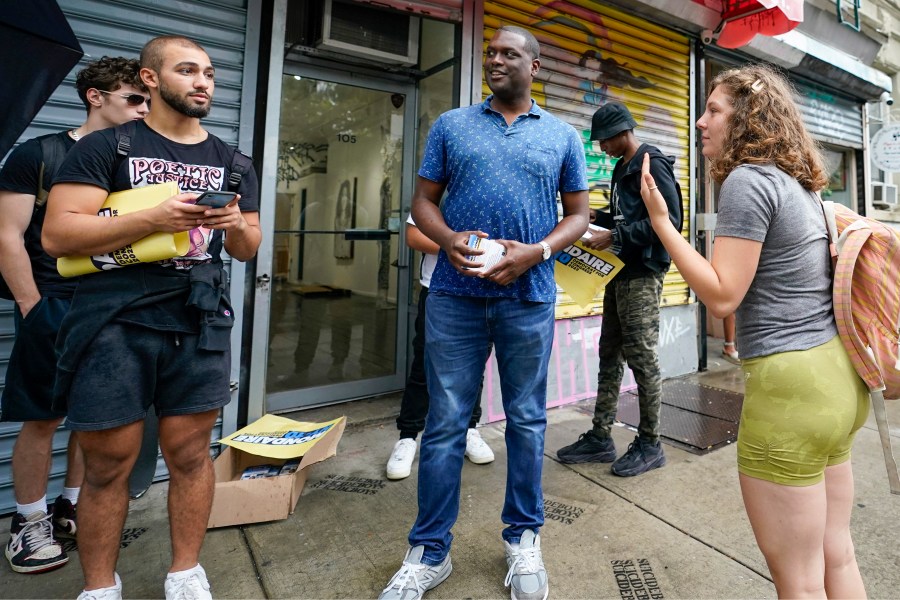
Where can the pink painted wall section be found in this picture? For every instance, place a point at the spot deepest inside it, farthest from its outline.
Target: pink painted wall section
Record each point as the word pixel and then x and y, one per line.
pixel 572 374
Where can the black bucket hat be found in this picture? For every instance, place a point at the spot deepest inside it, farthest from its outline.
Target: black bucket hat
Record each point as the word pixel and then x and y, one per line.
pixel 610 120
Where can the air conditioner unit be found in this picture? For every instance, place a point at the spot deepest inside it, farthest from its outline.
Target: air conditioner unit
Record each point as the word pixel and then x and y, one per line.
pixel 379 35
pixel 884 195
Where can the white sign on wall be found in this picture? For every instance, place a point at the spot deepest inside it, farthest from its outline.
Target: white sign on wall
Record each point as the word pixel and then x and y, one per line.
pixel 886 148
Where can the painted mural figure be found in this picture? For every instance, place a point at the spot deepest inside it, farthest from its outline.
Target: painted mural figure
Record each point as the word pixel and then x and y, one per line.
pixel 507 192
pixel 151 335
pixel 630 328
pixel 804 401
pixel 112 93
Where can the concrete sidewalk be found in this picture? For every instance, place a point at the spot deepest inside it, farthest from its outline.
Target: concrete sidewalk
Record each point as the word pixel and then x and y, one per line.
pixel 676 532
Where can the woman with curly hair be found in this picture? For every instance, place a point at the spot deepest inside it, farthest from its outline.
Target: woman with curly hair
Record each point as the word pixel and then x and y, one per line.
pixel 803 402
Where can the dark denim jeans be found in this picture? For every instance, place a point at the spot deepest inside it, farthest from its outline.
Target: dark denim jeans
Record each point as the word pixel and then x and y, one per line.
pixel 459 331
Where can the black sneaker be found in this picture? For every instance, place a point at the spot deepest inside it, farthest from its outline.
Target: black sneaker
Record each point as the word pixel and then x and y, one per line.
pixel 588 448
pixel 63 517
pixel 641 456
pixel 31 547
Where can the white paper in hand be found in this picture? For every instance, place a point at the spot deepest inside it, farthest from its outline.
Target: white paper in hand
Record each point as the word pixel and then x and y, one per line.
pixel 493 252
pixel 591 230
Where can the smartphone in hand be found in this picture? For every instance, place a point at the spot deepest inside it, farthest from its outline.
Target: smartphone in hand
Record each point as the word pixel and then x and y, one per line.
pixel 215 199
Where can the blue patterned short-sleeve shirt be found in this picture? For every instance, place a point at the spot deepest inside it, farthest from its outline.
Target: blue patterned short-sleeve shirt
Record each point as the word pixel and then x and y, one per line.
pixel 502 180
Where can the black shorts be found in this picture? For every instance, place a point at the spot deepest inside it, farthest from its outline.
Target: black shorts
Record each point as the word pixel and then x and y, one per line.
pixel 31 370
pixel 128 368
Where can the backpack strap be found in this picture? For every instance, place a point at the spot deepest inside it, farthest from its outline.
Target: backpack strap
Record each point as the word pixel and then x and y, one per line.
pixel 240 165
pixel 884 433
pixel 827 207
pixel 53 153
pixel 124 133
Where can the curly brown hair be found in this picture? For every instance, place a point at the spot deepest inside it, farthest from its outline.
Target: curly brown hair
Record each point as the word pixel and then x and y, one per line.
pixel 108 74
pixel 766 127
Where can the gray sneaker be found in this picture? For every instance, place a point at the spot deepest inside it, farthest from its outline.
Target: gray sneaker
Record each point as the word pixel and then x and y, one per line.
pixel 414 579
pixel 527 577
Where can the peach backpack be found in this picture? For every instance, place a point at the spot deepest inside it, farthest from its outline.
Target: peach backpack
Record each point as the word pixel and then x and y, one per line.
pixel 866 257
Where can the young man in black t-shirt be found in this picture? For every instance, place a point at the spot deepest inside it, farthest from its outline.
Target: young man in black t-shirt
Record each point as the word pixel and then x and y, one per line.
pixel 112 93
pixel 152 333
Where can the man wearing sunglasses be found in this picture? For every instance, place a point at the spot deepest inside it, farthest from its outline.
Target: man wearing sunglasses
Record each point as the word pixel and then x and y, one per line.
pixel 112 93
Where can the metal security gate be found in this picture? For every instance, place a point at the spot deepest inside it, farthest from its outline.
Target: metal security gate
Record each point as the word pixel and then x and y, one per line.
pixel 830 118
pixel 227 29
pixel 591 54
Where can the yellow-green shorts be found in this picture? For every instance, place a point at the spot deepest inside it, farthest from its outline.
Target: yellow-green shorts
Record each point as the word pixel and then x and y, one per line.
pixel 801 412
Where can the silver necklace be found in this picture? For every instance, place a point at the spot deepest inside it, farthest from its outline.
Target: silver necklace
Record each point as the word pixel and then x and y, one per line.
pixel 74 135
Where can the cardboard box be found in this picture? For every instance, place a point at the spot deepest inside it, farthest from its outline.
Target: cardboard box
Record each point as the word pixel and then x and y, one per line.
pixel 274 441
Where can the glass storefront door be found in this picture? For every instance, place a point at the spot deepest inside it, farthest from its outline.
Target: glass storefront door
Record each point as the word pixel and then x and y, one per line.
pixel 339 290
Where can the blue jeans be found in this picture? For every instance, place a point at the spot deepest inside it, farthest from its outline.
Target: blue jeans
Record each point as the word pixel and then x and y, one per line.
pixel 459 331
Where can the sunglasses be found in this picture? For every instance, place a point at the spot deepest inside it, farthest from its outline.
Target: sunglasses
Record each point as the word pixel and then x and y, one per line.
pixel 130 99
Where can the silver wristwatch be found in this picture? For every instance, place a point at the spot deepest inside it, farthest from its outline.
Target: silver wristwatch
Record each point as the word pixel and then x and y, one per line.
pixel 547 251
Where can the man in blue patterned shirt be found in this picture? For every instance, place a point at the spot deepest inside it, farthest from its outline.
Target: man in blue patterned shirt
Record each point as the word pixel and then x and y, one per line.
pixel 502 164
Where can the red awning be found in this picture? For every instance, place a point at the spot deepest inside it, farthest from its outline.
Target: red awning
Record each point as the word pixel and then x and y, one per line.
pixel 743 19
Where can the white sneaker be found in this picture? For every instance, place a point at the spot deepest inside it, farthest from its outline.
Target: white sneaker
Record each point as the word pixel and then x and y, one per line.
pixel 107 593
pixel 414 578
pixel 400 463
pixel 730 354
pixel 188 585
pixel 477 449
pixel 527 577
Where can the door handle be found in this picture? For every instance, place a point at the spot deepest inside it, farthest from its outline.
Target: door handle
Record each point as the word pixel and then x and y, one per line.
pixel 262 282
pixel 367 234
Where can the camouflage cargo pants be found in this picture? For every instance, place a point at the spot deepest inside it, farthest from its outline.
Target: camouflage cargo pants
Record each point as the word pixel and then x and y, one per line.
pixel 630 333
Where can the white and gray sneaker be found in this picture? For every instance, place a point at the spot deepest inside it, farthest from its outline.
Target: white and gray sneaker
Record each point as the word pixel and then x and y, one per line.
pixel 414 579
pixel 477 449
pixel 108 593
pixel 527 577
pixel 188 585
pixel 399 465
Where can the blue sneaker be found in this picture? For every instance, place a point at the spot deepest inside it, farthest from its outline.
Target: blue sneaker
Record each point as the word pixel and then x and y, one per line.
pixel 414 578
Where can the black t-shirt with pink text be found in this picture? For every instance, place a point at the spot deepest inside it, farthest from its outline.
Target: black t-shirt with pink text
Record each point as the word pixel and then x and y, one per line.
pixel 156 159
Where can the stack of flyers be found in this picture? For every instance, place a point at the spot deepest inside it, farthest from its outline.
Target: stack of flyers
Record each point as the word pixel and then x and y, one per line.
pixel 290 467
pixel 493 252
pixel 260 471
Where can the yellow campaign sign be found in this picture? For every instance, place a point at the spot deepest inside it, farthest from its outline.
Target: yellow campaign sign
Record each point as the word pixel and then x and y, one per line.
pixel 277 437
pixel 583 272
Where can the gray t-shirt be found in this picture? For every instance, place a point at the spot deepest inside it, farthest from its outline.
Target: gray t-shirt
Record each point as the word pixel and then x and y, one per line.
pixel 788 306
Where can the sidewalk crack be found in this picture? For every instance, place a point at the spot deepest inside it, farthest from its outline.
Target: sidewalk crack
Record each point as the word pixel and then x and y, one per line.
pixel 256 571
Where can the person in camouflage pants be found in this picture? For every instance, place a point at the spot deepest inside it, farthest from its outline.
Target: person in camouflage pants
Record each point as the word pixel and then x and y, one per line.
pixel 630 330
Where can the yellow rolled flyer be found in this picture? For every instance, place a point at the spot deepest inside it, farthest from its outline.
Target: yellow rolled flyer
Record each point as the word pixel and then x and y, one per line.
pixel 583 272
pixel 154 247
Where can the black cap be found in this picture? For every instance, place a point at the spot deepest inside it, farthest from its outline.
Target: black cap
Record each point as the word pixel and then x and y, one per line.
pixel 610 120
